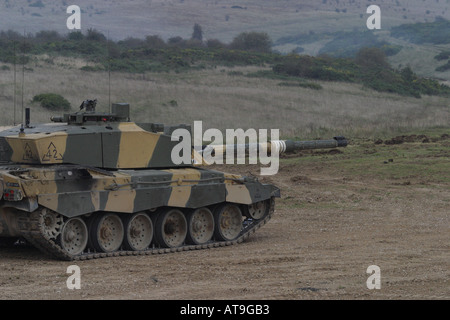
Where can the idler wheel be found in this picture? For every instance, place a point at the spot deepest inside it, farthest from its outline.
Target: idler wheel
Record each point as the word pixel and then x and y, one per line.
pixel 170 228
pixel 138 231
pixel 200 226
pixel 106 232
pixel 228 218
pixel 74 236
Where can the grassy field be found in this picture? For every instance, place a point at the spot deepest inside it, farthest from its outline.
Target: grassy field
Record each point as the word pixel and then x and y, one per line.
pixel 420 159
pixel 226 98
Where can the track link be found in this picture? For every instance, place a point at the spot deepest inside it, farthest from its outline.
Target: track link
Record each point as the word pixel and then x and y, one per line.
pixel 31 229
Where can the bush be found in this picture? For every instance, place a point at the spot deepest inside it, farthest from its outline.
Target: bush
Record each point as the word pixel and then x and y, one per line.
pixel 92 69
pixel 370 67
pixel 437 32
pixel 371 58
pixel 444 55
pixel 316 68
pixel 75 36
pixel 347 44
pixel 37 4
pixel 94 35
pixel 443 68
pixel 52 101
pixel 308 85
pixel 252 41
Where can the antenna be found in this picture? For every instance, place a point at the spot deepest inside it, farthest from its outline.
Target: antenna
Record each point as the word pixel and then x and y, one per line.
pixel 23 73
pixel 15 82
pixel 109 76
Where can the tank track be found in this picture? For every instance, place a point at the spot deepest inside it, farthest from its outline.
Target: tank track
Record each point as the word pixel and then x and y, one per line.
pixel 30 228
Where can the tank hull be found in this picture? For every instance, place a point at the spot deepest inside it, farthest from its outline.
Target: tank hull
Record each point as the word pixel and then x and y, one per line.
pixel 76 212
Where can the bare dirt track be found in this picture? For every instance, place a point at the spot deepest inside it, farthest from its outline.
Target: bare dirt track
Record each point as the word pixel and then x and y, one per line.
pixel 329 226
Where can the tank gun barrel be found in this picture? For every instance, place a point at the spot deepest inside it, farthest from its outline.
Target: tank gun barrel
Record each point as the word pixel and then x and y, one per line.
pixel 291 146
pixel 284 146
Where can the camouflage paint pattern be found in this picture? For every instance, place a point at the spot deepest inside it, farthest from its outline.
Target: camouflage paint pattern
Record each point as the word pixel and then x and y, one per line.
pixel 104 145
pixel 74 191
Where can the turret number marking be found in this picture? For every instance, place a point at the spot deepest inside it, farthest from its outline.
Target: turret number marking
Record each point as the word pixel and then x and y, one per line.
pixel 52 153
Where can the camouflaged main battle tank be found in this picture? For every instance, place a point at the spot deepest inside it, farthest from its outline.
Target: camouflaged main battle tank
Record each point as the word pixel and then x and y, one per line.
pixel 93 185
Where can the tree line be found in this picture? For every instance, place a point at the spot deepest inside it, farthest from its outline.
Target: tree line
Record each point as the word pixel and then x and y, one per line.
pixel 154 54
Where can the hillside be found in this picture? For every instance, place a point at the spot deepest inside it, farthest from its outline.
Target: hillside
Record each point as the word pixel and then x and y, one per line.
pixel 222 19
pixel 307 26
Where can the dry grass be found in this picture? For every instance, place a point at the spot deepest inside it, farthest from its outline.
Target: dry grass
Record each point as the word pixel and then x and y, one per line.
pixel 224 101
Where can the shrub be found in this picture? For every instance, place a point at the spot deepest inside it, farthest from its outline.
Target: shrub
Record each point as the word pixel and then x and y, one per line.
pixel 37 4
pixel 443 68
pixel 91 68
pixel 371 58
pixel 370 67
pixel 214 43
pixel 444 55
pixel 94 35
pixel 437 32
pixel 75 36
pixel 252 41
pixel 347 44
pixel 316 68
pixel 52 101
pixel 308 85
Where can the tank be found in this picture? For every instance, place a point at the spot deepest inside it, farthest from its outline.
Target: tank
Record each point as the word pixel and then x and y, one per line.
pixel 93 185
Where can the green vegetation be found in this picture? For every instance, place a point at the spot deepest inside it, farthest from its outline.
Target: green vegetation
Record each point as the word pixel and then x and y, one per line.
pixel 444 55
pixel 303 38
pixel 412 162
pixel 367 65
pixel 139 55
pixel 324 68
pixel 444 67
pixel 309 85
pixel 370 67
pixel 437 32
pixel 341 44
pixel 347 44
pixel 52 101
pixel 253 42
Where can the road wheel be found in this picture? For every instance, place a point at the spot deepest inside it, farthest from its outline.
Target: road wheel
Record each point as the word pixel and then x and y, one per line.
pixel 228 220
pixel 106 232
pixel 170 228
pixel 200 226
pixel 138 231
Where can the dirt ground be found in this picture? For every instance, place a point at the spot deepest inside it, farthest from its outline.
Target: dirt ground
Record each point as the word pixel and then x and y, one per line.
pixel 328 228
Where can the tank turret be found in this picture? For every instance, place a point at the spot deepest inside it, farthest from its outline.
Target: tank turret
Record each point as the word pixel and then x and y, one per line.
pixel 104 140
